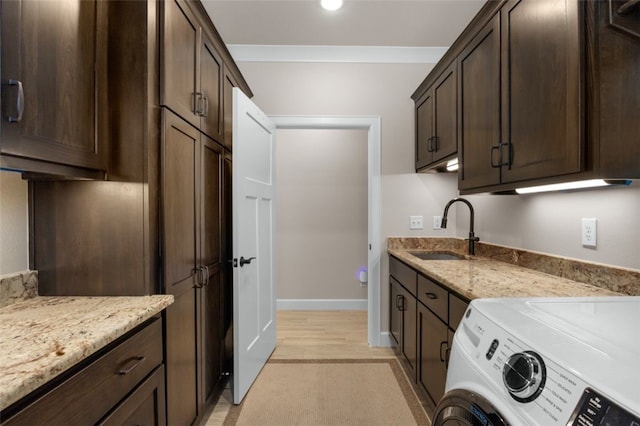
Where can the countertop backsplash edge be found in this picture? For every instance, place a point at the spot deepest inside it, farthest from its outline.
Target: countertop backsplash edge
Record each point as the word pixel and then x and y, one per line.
pixel 618 279
pixel 18 286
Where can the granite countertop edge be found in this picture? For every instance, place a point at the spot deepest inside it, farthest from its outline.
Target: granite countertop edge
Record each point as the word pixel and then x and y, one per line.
pixel 482 277
pixel 44 336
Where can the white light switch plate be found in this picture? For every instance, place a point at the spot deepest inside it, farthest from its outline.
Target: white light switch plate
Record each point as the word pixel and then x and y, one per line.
pixel 437 222
pixel 589 232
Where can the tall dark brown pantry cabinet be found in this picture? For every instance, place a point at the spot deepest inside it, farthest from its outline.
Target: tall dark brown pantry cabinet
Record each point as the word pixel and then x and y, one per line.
pixel 160 223
pixel 192 191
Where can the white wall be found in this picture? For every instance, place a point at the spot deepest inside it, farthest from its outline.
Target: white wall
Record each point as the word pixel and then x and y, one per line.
pixel 551 223
pixel 14 228
pixel 321 232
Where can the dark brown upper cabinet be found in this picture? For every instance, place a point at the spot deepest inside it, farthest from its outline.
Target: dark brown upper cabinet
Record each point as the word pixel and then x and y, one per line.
pixel 227 98
pixel 544 90
pixel 521 95
pixel 614 61
pixel 53 87
pixel 436 123
pixel 479 107
pixel 192 69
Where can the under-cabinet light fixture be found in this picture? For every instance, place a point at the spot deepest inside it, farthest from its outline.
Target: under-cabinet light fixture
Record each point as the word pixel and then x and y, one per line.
pixel 452 165
pixel 331 4
pixel 567 186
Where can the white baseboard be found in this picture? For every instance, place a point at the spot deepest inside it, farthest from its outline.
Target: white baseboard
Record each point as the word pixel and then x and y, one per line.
pixel 386 341
pixel 322 304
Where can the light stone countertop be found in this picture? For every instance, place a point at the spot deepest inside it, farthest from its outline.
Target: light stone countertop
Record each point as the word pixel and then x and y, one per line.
pixel 44 336
pixel 485 277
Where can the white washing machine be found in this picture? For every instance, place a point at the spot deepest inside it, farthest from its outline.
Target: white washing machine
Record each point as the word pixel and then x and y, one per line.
pixel 545 361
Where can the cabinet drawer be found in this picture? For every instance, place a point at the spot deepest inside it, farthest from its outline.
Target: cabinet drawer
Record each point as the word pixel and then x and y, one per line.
pixel 145 406
pixel 457 308
pixel 433 297
pixel 88 395
pixel 404 274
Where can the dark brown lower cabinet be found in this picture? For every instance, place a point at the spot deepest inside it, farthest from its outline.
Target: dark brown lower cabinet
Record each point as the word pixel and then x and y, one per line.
pixel 434 346
pixel 403 324
pixel 145 405
pixel 423 327
pixel 94 392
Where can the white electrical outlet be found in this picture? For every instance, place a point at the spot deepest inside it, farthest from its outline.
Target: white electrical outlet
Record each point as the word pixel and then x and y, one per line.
pixel 589 232
pixel 415 222
pixel 437 222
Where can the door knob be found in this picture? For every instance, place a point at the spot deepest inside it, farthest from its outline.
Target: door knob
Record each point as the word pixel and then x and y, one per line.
pixel 244 261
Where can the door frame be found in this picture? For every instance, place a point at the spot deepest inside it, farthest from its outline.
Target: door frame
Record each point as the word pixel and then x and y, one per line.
pixel 372 125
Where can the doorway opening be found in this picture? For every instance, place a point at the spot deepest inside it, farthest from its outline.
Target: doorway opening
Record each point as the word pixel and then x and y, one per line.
pixel 321 222
pixel 371 124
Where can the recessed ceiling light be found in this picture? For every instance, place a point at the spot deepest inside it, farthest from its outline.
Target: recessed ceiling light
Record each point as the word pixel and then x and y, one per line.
pixel 331 4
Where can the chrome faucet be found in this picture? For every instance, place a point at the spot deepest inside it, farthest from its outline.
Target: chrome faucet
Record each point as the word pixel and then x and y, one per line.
pixel 472 238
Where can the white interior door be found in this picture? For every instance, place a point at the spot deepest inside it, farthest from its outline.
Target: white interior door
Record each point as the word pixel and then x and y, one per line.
pixel 254 296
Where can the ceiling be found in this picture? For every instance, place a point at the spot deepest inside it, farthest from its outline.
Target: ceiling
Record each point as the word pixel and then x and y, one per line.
pixel 412 23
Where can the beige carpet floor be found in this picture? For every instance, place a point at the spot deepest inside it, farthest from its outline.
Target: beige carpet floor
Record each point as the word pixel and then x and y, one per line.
pixel 329 392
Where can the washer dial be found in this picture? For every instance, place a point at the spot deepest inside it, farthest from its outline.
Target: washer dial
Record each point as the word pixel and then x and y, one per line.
pixel 524 375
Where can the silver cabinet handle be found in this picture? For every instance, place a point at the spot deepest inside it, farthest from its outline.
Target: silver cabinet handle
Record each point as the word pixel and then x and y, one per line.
pixel 19 101
pixel 132 364
pixel 198 103
pixel 628 7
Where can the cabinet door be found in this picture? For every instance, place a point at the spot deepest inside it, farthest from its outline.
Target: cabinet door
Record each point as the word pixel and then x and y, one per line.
pixel 395 310
pixel 479 107
pixel 54 54
pixel 432 372
pixel 181 358
pixel 618 88
pixel 179 53
pixel 180 150
pixel 211 258
pixel 409 316
pixel 541 88
pixel 424 131
pixel 179 188
pixel 445 114
pixel 227 99
pixel 210 72
pixel 226 286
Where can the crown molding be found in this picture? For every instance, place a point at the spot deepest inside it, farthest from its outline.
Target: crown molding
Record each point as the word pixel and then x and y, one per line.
pixel 345 54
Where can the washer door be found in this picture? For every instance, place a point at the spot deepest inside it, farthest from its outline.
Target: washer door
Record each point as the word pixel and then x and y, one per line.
pixel 464 408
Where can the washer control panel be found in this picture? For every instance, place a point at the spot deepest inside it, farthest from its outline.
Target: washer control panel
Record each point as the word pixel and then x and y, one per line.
pixel 595 409
pixel 538 388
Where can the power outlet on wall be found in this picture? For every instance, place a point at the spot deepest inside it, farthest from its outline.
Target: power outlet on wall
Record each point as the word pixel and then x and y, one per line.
pixel 415 222
pixel 589 232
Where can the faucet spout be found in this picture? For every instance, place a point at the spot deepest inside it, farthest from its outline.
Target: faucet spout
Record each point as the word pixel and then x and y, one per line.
pixel 472 238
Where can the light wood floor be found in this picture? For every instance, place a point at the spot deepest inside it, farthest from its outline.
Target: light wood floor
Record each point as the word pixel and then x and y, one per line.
pixel 313 335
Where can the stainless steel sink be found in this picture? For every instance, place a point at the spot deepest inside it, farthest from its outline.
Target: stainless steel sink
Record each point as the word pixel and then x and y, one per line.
pixel 436 255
